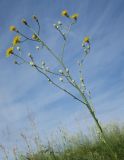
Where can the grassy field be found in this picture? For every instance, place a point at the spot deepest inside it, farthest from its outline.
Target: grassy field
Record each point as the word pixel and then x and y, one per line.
pixel 78 147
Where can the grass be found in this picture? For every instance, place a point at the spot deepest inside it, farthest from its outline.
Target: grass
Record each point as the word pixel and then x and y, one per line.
pixel 78 147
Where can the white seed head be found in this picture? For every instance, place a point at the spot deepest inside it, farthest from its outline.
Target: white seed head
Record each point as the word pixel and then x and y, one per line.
pixel 37 47
pixel 60 71
pixel 47 68
pixel 18 48
pixel 32 63
pixel 57 27
pixel 59 23
pixel 83 45
pixel 43 63
pixel 73 81
pixel 67 70
pixel 29 55
pixel 81 79
pixel 54 25
pixel 61 79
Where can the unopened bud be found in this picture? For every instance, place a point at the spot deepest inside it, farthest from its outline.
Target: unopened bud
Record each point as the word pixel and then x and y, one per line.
pixel 81 79
pixel 47 68
pixel 61 79
pixel 29 55
pixel 24 22
pixel 49 80
pixel 67 70
pixel 31 63
pixel 37 47
pixel 15 62
pixel 73 81
pixel 59 23
pixel 18 48
pixel 43 63
pixel 34 17
pixel 60 71
pixel 35 37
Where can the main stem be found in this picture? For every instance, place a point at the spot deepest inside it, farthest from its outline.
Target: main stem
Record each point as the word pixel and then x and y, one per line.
pixel 89 107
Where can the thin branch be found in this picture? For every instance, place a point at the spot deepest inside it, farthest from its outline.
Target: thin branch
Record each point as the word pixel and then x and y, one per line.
pixel 63 48
pixel 26 38
pixel 59 86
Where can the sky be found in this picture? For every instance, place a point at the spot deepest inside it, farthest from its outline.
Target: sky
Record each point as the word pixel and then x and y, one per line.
pixel 25 93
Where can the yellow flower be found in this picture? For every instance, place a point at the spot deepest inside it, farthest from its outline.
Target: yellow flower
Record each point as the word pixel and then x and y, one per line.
pixel 65 13
pixel 12 28
pixel 75 16
pixel 86 40
pixel 9 52
pixel 16 40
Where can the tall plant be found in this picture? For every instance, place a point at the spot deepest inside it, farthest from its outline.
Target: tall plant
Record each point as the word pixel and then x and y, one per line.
pixel 63 74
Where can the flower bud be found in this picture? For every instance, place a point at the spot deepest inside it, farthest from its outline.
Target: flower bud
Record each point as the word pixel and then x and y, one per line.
pixel 54 25
pixel 83 45
pixel 81 79
pixel 61 79
pixel 24 22
pixel 37 47
pixel 60 71
pixel 65 13
pixel 47 68
pixel 43 63
pixel 49 80
pixel 86 39
pixel 35 37
pixel 15 62
pixel 59 23
pixel 57 27
pixel 18 48
pixel 73 81
pixel 75 16
pixel 12 28
pixel 34 17
pixel 31 63
pixel 67 70
pixel 29 55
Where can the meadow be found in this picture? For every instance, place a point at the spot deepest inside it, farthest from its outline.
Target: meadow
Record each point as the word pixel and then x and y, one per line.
pixel 76 147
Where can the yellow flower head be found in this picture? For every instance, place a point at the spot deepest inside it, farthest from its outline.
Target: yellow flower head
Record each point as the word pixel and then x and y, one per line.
pixel 16 40
pixel 65 13
pixel 12 28
pixel 75 16
pixel 86 40
pixel 9 52
pixel 24 22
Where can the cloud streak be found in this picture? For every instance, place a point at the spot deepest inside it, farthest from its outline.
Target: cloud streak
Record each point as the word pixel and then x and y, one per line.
pixel 22 89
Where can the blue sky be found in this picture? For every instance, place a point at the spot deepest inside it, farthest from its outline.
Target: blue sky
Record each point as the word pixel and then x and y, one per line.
pixel 24 91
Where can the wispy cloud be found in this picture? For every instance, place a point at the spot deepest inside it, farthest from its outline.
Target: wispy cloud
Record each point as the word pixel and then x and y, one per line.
pixel 23 89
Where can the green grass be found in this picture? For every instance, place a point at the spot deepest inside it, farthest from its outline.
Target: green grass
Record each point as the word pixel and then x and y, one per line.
pixel 80 147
